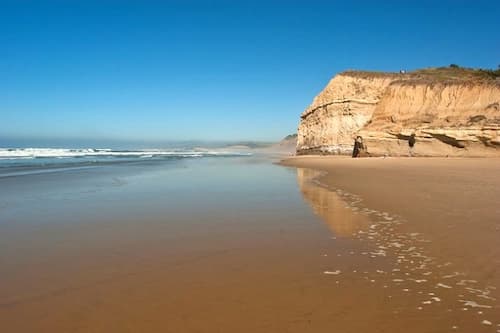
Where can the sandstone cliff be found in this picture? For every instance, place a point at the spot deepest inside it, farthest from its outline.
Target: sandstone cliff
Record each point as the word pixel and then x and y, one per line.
pixel 452 112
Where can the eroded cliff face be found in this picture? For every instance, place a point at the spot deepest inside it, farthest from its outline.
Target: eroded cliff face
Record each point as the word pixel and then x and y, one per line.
pixel 458 118
pixel 447 119
pixel 341 109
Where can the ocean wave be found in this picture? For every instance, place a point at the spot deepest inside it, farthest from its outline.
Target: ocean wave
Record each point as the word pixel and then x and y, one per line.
pixel 29 153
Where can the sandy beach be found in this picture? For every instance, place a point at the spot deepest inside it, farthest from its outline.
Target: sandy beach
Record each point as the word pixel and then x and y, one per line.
pixel 195 245
pixel 242 245
pixel 436 221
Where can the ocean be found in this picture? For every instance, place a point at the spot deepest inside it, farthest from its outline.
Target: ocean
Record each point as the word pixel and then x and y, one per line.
pixel 24 161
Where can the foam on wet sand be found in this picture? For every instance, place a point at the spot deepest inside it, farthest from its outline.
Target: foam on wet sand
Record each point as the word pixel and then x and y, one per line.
pixel 408 200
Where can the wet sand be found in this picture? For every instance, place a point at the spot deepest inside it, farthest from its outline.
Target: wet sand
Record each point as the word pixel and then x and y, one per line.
pixel 241 245
pixel 433 226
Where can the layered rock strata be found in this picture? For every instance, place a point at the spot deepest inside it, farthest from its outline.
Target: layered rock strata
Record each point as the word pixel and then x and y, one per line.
pixel 448 117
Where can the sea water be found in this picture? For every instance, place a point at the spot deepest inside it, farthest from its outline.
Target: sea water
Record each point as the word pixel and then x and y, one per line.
pixel 22 161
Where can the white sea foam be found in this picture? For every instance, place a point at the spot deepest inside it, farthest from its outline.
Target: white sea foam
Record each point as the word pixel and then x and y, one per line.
pixel 464 282
pixel 442 285
pixel 452 275
pixel 20 153
pixel 473 304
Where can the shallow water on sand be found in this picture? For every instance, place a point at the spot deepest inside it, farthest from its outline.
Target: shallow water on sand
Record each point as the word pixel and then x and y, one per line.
pixel 416 280
pixel 232 245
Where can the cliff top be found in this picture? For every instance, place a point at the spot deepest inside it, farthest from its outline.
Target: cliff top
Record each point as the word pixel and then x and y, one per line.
pixel 370 74
pixel 434 75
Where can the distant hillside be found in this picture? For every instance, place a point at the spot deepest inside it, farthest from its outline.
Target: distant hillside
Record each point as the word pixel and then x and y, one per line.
pixel 249 144
pixel 288 144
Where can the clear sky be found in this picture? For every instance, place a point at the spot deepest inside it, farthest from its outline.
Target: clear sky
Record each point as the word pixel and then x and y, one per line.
pixel 211 70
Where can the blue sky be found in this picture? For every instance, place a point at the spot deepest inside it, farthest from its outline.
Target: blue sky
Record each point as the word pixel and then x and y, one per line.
pixel 156 71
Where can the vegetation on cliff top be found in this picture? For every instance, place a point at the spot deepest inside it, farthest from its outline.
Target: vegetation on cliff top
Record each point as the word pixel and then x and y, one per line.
pixel 454 74
pixel 433 75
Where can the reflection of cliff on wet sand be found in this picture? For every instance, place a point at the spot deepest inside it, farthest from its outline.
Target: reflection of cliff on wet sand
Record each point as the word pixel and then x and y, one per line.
pixel 341 219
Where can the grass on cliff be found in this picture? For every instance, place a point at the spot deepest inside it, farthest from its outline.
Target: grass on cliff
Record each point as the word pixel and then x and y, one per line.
pixel 455 73
pixel 451 74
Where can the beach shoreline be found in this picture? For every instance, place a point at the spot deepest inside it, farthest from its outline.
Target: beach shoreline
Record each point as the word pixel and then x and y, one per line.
pixel 453 202
pixel 242 245
pixel 465 190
